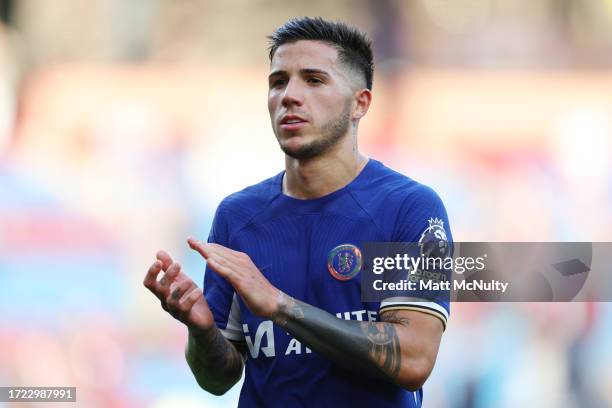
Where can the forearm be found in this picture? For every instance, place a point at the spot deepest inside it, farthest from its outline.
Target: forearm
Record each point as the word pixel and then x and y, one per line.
pixel 371 348
pixel 214 361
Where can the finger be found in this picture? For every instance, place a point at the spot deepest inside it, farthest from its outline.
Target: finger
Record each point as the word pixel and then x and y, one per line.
pixel 198 246
pixel 227 256
pixel 222 266
pixel 222 260
pixel 170 276
pixel 226 252
pixel 150 280
pixel 165 259
pixel 189 299
pixel 177 289
pixel 206 249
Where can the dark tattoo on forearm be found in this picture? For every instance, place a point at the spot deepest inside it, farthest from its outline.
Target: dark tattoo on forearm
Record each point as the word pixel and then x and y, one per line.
pixel 394 316
pixel 370 347
pixel 220 353
pixel 214 361
pixel 385 348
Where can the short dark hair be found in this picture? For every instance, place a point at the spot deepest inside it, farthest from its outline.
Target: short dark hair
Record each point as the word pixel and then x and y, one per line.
pixel 354 47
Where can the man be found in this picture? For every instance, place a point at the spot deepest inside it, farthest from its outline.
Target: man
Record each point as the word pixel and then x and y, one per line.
pixel 281 289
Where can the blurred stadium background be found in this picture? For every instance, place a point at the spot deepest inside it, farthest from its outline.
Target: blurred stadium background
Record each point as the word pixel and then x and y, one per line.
pixel 124 123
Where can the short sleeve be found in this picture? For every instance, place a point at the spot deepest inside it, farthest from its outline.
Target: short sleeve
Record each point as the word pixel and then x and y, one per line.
pixel 220 295
pixel 422 219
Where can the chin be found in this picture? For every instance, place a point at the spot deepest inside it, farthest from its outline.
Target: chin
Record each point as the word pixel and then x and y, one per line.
pixel 294 142
pixel 293 149
pixel 302 151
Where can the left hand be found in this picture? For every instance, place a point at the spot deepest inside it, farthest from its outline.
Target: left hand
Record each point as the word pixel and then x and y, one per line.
pixel 260 296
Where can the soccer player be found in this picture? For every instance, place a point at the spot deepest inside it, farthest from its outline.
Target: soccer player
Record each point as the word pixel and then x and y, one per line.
pixel 281 292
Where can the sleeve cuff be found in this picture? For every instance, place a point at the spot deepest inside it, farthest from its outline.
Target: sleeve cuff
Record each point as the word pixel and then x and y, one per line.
pixel 419 305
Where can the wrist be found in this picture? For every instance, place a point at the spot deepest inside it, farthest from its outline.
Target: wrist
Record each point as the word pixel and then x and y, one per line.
pixel 201 335
pixel 278 313
pixel 268 303
pixel 286 310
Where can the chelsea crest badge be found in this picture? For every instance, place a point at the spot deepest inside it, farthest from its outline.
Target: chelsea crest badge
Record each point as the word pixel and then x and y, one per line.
pixel 344 261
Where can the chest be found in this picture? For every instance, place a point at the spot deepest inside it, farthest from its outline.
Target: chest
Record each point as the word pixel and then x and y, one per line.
pixel 315 258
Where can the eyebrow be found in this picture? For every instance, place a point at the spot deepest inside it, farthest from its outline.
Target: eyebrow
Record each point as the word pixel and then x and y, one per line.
pixel 308 71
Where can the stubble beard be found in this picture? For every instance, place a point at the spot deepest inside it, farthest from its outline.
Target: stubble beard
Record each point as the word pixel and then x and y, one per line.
pixel 331 133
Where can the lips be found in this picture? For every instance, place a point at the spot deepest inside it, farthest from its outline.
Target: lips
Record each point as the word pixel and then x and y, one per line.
pixel 292 122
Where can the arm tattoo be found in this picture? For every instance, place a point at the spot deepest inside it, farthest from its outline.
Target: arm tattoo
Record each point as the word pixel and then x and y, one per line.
pixel 220 353
pixel 373 348
pixel 385 348
pixel 214 361
pixel 394 316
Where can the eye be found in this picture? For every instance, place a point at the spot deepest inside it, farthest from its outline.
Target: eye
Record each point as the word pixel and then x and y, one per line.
pixel 277 83
pixel 314 80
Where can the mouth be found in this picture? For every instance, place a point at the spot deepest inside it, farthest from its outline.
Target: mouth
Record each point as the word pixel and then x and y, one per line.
pixel 292 123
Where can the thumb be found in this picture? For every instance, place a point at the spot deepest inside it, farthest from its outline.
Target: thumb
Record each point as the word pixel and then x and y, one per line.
pixel 198 246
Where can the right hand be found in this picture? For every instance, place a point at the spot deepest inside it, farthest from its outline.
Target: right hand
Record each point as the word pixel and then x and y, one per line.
pixel 179 295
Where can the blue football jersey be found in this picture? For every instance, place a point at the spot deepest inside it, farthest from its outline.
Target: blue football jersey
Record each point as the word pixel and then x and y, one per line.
pixel 295 244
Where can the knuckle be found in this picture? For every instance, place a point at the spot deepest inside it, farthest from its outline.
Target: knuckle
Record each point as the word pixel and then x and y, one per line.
pixel 151 287
pixel 195 296
pixel 172 310
pixel 195 292
pixel 175 271
pixel 184 306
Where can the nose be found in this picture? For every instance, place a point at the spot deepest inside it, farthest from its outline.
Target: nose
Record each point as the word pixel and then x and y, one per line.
pixel 293 95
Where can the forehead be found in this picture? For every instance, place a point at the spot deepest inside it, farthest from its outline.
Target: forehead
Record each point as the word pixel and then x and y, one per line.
pixel 304 54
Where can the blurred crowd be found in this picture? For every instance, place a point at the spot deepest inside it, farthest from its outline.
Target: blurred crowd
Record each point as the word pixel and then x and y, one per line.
pixel 123 125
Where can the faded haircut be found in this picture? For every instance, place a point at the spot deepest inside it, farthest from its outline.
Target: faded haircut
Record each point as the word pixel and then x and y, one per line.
pixel 354 47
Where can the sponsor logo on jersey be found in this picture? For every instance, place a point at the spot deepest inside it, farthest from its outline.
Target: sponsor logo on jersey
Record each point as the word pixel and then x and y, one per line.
pixel 344 261
pixel 262 344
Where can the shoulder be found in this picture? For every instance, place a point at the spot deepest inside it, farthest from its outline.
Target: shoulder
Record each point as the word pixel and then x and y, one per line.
pixel 399 205
pixel 421 196
pixel 386 185
pixel 253 196
pixel 238 208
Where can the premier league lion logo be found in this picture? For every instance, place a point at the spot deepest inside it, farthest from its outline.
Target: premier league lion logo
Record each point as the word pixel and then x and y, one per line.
pixel 433 242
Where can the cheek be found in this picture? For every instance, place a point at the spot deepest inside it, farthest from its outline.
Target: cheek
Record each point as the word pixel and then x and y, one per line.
pixel 330 107
pixel 272 103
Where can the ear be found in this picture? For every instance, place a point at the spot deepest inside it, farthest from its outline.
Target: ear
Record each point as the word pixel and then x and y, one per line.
pixel 363 98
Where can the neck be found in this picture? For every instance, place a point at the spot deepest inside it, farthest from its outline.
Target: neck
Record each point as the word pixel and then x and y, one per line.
pixel 322 175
